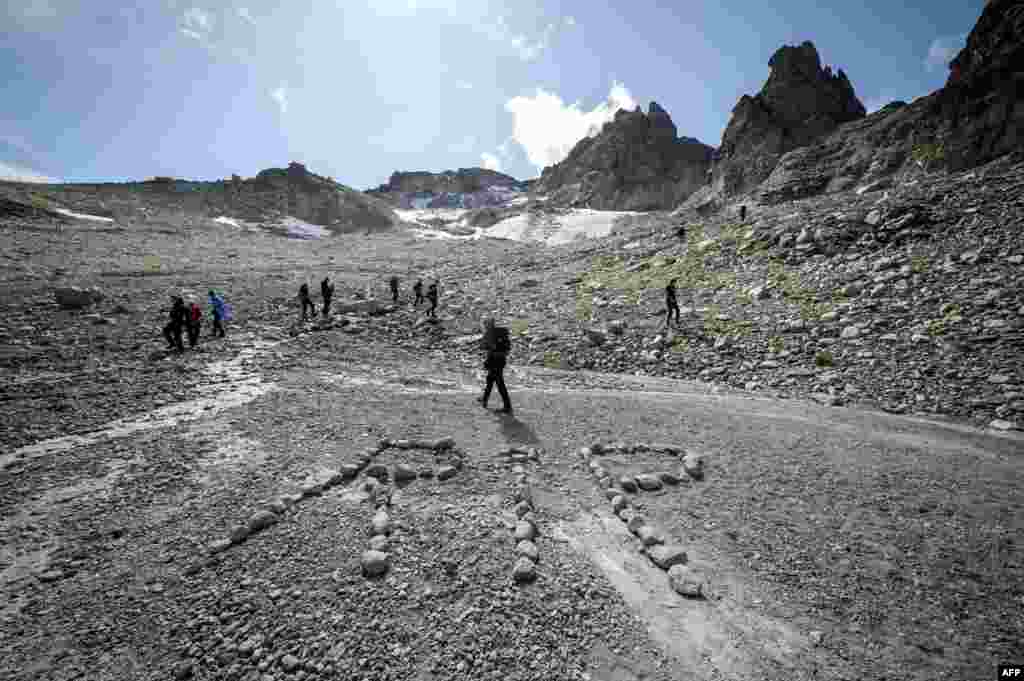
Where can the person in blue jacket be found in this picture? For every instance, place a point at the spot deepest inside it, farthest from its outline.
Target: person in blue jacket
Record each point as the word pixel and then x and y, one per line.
pixel 217 306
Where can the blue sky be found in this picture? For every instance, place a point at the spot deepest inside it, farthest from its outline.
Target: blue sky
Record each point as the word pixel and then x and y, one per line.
pixel 128 89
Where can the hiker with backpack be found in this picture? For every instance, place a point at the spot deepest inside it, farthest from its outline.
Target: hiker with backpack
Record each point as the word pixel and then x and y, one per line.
pixel 305 301
pixel 220 312
pixel 497 344
pixel 432 297
pixel 195 320
pixel 393 282
pixel 671 303
pixel 174 328
pixel 327 292
pixel 418 290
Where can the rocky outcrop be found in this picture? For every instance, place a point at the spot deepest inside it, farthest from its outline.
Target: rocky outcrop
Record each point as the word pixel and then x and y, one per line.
pixel 461 181
pixel 636 162
pixel 800 102
pixel 976 117
pixel 982 104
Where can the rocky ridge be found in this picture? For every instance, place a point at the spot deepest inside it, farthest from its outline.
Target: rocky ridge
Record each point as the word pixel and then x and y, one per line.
pixel 274 193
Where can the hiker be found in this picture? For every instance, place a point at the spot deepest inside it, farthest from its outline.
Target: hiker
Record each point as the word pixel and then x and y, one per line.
pixel 327 292
pixel 432 297
pixel 172 332
pixel 418 290
pixel 497 344
pixel 681 231
pixel 220 312
pixel 743 213
pixel 393 281
pixel 195 320
pixel 305 301
pixel 670 302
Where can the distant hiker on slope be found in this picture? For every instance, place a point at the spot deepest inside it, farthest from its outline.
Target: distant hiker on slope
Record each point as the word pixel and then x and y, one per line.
pixel 393 281
pixel 432 297
pixel 305 301
pixel 743 213
pixel 671 303
pixel 496 343
pixel 418 290
pixel 220 313
pixel 327 292
pixel 195 321
pixel 172 332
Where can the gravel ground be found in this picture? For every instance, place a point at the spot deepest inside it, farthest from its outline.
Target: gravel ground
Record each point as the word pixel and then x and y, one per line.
pixel 836 543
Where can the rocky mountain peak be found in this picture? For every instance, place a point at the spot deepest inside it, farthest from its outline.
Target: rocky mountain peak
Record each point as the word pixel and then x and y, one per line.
pixel 635 162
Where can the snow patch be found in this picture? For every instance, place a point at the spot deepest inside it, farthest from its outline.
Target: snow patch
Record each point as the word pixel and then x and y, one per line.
pixel 230 222
pixel 82 216
pixel 559 229
pixel 303 230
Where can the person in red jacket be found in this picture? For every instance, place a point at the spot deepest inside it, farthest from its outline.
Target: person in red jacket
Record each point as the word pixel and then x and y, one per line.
pixel 195 321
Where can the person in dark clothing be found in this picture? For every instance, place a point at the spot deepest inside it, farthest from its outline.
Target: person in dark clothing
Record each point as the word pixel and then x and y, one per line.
pixel 219 309
pixel 496 344
pixel 305 301
pixel 671 303
pixel 174 328
pixel 432 297
pixel 743 213
pixel 393 281
pixel 327 292
pixel 418 290
pixel 195 321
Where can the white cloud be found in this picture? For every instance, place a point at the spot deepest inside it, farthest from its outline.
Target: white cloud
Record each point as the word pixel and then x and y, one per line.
pixel 942 51
pixel 463 85
pixel 196 24
pixel 490 161
pixel 13 173
pixel 280 95
pixel 570 21
pixel 243 12
pixel 526 47
pixel 547 129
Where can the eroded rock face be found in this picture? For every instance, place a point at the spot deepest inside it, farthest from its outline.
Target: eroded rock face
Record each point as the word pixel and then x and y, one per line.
pixel 982 102
pixel 799 103
pixel 636 162
pixel 461 181
pixel 975 118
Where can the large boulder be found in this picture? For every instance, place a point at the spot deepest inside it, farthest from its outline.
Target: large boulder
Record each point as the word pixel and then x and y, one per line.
pixel 635 162
pixel 75 298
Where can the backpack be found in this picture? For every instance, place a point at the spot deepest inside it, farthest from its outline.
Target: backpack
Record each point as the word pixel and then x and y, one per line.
pixel 502 341
pixel 194 313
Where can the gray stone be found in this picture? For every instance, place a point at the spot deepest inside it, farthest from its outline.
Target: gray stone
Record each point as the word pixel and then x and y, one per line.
pixel 75 298
pixel 276 505
pixel 374 563
pixel 403 472
pixel 667 555
pixel 524 531
pixel 427 472
pixel 443 444
pixel 446 472
pixel 668 477
pixel 239 534
pixel 290 663
pixel 693 464
pixel 261 520
pixel 312 489
pixel 686 580
pixel 522 508
pixel 649 536
pixel 525 570
pixel 348 470
pixel 648 482
pixel 850 332
pixel 528 549
pixel 635 522
pixel 619 503
pixel 377 470
pixel 628 484
pixel 379 542
pixel 1000 424
pixel 381 523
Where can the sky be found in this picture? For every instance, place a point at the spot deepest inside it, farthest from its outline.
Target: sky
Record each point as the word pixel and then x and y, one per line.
pixel 118 90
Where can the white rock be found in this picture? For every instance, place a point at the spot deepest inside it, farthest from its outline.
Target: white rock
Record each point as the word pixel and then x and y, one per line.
pixel 686 581
pixel 375 563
